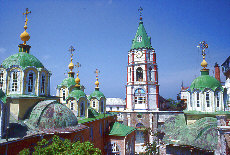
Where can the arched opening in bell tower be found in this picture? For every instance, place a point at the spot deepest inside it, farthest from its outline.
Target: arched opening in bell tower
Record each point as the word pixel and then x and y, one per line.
pixel 139 74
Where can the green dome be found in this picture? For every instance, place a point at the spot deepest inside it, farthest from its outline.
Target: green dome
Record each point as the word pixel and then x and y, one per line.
pixel 97 94
pixel 205 81
pixel 23 60
pixel 50 114
pixel 68 82
pixel 77 94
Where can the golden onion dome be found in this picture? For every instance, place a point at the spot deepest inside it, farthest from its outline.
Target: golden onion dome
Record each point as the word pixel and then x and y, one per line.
pixel 77 80
pixel 25 36
pixel 204 63
pixel 71 66
pixel 97 83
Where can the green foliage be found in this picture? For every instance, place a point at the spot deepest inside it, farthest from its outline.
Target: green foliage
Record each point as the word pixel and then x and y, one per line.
pixel 58 146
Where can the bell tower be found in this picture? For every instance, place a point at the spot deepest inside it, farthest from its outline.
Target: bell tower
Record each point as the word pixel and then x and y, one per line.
pixel 142 89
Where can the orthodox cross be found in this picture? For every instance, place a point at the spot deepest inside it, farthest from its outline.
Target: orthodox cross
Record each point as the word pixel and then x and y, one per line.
pixel 71 49
pixel 203 45
pixel 140 10
pixel 26 13
pixel 78 65
pixel 97 72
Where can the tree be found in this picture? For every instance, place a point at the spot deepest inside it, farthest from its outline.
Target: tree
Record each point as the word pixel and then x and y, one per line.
pixel 58 146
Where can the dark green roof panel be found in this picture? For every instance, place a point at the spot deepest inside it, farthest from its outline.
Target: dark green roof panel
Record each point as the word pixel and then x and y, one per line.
pixel 145 42
pixel 119 129
pixel 23 60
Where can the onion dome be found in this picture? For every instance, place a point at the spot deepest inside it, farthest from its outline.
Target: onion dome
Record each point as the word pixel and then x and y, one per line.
pixel 96 94
pixel 77 93
pixel 22 60
pixel 67 82
pixel 25 36
pixel 205 81
pixel 50 114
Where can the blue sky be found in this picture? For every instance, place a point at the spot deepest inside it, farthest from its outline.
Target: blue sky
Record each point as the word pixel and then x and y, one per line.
pixel 102 30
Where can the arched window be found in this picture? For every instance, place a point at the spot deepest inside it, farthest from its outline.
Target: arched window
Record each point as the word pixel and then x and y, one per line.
pixel 71 105
pixel 31 81
pixel 207 99
pixel 94 104
pixel 140 125
pixel 150 73
pixel 43 80
pixel 130 74
pixel 139 96
pixel 1 79
pixel 82 108
pixel 140 136
pixel 198 99
pixel 102 106
pixel 15 81
pixel 63 94
pixel 218 99
pixel 139 74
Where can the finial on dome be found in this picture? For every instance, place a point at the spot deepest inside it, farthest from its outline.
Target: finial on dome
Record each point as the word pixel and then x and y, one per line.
pixel 97 82
pixel 25 36
pixel 140 10
pixel 77 80
pixel 203 45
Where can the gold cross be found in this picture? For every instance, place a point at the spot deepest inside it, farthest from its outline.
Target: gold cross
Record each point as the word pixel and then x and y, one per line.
pixel 97 72
pixel 71 49
pixel 26 13
pixel 78 66
pixel 140 10
pixel 203 45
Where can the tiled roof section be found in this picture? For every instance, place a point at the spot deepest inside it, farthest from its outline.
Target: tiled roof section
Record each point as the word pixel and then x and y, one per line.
pixel 2 96
pixel 205 81
pixel 115 101
pixel 67 82
pixel 96 94
pixel 201 134
pixel 119 129
pixel 50 114
pixel 145 42
pixel 23 60
pixel 77 94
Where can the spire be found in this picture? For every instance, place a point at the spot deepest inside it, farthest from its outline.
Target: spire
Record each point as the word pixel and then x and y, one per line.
pixel 141 39
pixel 25 36
pixel 71 65
pixel 97 83
pixel 77 80
pixel 203 46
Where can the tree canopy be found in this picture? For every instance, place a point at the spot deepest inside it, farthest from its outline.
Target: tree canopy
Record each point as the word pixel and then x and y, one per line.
pixel 59 146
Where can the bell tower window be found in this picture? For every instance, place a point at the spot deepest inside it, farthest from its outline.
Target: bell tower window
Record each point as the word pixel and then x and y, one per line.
pixel 139 96
pixel 139 39
pixel 150 73
pixel 139 74
pixel 1 79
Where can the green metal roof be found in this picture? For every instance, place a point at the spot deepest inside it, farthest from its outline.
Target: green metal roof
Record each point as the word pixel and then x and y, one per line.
pixel 97 94
pixel 23 60
pixel 119 129
pixel 205 81
pixel 77 94
pixel 68 82
pixel 92 113
pixel 50 114
pixel 2 96
pixel 202 134
pixel 146 41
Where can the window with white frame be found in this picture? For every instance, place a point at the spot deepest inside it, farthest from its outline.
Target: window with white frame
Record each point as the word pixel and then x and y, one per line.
pixel 114 147
pixel 63 94
pixel 15 80
pixel 1 79
pixel 102 106
pixel 82 108
pixel 208 99
pixel 43 80
pixel 218 99
pixel 94 104
pixel 139 74
pixel 71 105
pixel 139 96
pixel 31 81
pixel 198 99
pixel 139 39
pixel 140 136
